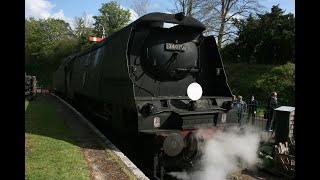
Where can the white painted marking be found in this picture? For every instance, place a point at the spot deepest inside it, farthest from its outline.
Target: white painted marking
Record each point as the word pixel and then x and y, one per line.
pixel 156 122
pixel 224 117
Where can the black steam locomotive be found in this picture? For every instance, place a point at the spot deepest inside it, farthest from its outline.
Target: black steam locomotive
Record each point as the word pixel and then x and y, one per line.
pixel 158 79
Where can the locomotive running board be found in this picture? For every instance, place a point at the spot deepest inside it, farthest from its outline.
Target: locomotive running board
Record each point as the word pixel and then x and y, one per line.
pixel 190 113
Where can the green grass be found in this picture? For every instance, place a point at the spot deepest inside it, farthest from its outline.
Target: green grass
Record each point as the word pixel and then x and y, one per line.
pixel 49 150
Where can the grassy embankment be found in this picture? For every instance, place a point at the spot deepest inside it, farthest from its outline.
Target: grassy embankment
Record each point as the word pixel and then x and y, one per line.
pixel 49 151
pixel 242 78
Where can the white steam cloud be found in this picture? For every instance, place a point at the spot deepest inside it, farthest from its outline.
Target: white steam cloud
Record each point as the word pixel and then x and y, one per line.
pixel 222 153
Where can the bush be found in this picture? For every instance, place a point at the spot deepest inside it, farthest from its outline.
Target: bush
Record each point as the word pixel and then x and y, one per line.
pixel 247 79
pixel 280 79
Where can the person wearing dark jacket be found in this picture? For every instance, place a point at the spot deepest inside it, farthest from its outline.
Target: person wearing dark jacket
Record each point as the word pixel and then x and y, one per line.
pixel 252 110
pixel 272 104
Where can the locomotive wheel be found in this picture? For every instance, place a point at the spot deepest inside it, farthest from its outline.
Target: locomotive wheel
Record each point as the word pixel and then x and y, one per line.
pixel 192 148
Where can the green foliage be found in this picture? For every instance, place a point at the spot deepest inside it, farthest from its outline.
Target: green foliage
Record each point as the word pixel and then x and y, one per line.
pixel 265 154
pixel 247 79
pixel 46 42
pixel 267 39
pixel 229 53
pixel 44 67
pixel 241 78
pixel 267 160
pixel 42 36
pixel 83 32
pixel 280 79
pixel 112 18
pixel 248 39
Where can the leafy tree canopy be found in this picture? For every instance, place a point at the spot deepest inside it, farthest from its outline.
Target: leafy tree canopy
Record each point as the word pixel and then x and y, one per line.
pixel 280 79
pixel 83 31
pixel 112 18
pixel 41 36
pixel 46 42
pixel 267 38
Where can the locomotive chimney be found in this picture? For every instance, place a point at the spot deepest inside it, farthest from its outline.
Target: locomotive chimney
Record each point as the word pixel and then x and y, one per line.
pixel 179 16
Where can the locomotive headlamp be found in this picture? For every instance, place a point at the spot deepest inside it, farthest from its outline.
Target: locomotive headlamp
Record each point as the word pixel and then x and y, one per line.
pixel 194 91
pixel 147 109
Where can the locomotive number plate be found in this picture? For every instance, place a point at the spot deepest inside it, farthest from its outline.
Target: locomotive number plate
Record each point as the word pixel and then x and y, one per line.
pixel 175 47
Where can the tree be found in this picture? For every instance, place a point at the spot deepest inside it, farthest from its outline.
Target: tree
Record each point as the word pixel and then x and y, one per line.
pixel 112 19
pixel 187 7
pixel 46 42
pixel 229 53
pixel 42 35
pixel 280 79
pixel 83 30
pixel 248 39
pixel 140 6
pixel 218 15
pixel 267 39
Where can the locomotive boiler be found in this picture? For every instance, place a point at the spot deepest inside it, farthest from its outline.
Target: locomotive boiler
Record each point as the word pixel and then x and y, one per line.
pixel 155 83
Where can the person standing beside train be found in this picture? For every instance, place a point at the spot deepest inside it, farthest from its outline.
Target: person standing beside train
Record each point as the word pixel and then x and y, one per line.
pixel 252 110
pixel 234 100
pixel 241 107
pixel 272 104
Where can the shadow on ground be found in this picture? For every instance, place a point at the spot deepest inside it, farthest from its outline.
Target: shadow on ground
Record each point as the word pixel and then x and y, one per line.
pixel 48 116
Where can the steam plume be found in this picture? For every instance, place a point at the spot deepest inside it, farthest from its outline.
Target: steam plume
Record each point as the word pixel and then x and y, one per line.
pixel 222 153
